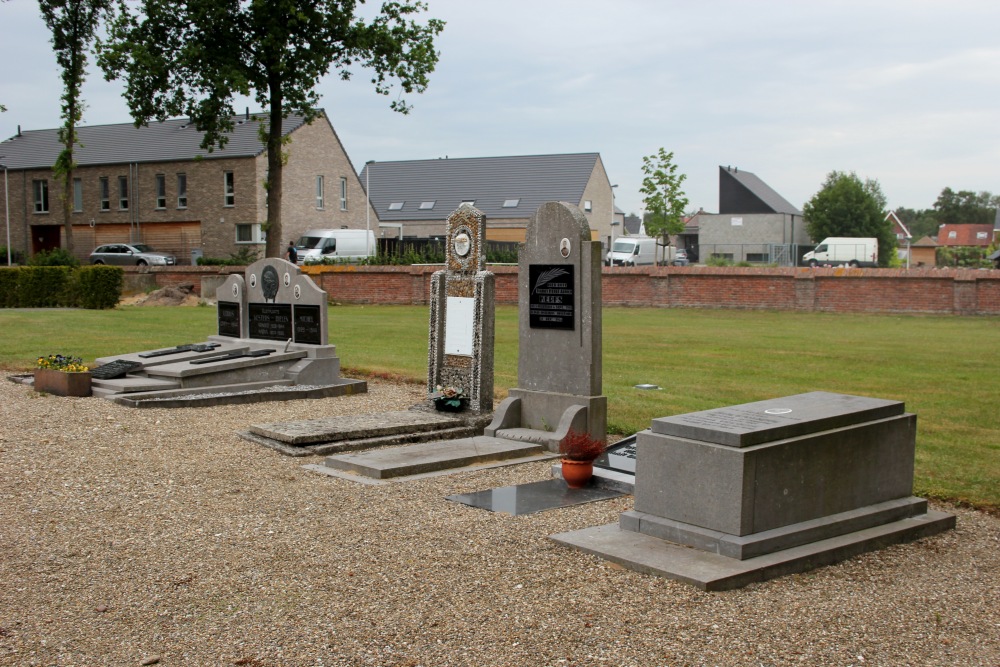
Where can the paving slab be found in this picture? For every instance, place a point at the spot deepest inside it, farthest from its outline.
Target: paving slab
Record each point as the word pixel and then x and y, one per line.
pixel 431 456
pixel 713 572
pixel 347 427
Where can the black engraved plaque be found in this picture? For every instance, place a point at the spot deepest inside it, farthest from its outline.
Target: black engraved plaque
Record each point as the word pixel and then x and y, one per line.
pixel 307 325
pixel 551 296
pixel 229 319
pixel 270 321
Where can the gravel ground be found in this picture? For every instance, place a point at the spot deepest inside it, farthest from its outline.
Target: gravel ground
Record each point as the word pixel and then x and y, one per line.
pixel 157 536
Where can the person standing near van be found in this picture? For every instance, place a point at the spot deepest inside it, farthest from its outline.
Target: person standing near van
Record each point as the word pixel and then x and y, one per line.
pixel 291 254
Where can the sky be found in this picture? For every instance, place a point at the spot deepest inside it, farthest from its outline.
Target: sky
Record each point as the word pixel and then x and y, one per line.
pixel 906 92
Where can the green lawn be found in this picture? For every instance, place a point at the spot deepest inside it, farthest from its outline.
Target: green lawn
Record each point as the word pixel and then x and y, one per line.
pixel 944 368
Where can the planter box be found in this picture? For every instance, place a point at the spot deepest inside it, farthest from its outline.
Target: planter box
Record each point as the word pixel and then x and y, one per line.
pixel 60 383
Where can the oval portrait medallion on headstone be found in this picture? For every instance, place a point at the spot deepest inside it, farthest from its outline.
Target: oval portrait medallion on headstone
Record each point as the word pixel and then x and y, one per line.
pixel 253 280
pixel 236 290
pixel 269 283
pixel 565 248
pixel 297 291
pixel 462 243
pixel 287 279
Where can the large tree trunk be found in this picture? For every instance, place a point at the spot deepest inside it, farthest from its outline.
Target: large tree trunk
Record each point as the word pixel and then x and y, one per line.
pixel 274 164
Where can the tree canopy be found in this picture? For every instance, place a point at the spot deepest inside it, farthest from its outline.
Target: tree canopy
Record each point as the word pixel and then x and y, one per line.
pixel 848 206
pixel 192 58
pixel 664 199
pixel 73 24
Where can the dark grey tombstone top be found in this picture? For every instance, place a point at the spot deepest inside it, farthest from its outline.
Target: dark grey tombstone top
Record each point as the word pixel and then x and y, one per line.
pixel 777 418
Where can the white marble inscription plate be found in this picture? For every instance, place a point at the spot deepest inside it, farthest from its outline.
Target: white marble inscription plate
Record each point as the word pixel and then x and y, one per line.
pixel 459 314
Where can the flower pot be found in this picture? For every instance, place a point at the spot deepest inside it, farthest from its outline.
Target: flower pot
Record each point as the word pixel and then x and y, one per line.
pixel 444 406
pixel 577 473
pixel 61 383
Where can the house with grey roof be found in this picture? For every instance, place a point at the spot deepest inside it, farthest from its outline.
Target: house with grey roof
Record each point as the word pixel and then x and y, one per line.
pixel 754 223
pixel 413 198
pixel 154 184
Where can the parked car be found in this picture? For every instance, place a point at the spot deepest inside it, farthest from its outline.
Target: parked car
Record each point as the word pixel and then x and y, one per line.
pixel 680 258
pixel 130 254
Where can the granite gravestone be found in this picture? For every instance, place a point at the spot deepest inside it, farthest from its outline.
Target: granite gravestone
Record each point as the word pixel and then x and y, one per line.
pixel 460 349
pixel 559 356
pixel 768 488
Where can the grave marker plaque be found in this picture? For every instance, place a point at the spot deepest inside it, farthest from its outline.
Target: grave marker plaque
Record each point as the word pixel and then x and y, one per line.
pixel 229 319
pixel 551 299
pixel 307 325
pixel 270 321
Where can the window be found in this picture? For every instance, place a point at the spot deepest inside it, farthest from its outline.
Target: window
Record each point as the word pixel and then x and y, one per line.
pixel 250 233
pixel 77 195
pixel 953 235
pixel 343 193
pixel 123 193
pixel 161 191
pixel 980 235
pixel 229 188
pixel 396 206
pixel 319 193
pixel 511 203
pixel 426 205
pixel 41 189
pixel 588 205
pixel 757 257
pixel 105 194
pixel 182 191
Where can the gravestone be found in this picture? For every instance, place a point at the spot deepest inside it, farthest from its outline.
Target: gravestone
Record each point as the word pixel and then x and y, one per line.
pixel 559 328
pixel 745 493
pixel 461 329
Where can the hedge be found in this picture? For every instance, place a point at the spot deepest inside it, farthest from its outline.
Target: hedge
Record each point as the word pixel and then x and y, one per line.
pixel 93 287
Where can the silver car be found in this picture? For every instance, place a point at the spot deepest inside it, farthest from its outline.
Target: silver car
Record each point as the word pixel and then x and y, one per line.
pixel 130 254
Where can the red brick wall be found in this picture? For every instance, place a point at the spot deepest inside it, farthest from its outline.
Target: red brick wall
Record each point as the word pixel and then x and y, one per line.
pixel 943 291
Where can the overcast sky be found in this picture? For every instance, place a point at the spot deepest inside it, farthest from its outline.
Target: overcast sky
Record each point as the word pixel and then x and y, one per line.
pixel 906 92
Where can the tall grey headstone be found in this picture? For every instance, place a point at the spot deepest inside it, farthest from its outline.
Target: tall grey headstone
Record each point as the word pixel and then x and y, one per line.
pixel 559 356
pixel 460 350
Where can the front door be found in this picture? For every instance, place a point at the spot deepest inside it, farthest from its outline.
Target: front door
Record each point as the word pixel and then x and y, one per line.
pixel 44 237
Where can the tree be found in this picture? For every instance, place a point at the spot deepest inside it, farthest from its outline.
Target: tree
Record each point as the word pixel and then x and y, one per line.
pixel 73 24
pixel 193 58
pixel 665 201
pixel 965 207
pixel 848 206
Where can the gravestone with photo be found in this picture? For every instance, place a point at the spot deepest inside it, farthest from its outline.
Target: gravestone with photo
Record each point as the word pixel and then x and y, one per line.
pixel 460 340
pixel 559 356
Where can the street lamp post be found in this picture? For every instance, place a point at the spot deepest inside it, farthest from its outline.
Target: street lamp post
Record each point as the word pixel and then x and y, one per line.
pixel 611 250
pixel 6 204
pixel 368 205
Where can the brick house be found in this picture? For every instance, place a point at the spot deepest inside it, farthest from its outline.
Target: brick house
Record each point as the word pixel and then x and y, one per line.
pixel 754 223
pixel 155 185
pixel 420 194
pixel 966 236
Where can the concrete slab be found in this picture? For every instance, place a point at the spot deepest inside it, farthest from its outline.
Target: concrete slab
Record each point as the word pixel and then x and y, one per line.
pixel 135 383
pixel 431 456
pixel 712 572
pixel 371 481
pixel 339 446
pixel 346 427
pixel 238 394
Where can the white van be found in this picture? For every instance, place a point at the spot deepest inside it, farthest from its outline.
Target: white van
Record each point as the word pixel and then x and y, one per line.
pixel 634 251
pixel 345 245
pixel 839 250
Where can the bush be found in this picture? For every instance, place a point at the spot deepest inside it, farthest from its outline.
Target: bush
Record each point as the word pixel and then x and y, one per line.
pixel 44 286
pixel 8 287
pixel 99 287
pixel 243 257
pixel 54 257
pixel 16 256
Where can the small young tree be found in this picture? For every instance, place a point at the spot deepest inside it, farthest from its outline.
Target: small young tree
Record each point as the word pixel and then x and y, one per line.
pixel 73 24
pixel 664 199
pixel 848 206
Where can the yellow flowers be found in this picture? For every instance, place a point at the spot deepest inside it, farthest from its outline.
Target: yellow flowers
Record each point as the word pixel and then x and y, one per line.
pixel 61 362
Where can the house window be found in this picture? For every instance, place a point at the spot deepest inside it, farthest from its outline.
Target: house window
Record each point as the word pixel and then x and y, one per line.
pixel 182 191
pixel 953 235
pixel 250 233
pixel 343 194
pixel 588 205
pixel 105 194
pixel 758 257
pixel 123 193
pixel 77 195
pixel 426 205
pixel 161 191
pixel 41 189
pixel 229 188
pixel 980 235
pixel 396 206
pixel 511 203
pixel 319 193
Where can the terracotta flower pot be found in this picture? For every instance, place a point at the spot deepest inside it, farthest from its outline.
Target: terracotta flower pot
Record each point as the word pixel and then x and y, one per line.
pixel 577 473
pixel 61 383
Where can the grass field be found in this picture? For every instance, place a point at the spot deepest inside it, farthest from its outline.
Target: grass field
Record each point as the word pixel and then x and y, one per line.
pixel 945 369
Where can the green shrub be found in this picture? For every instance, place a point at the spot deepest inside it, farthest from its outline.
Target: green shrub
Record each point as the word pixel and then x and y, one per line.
pixel 8 287
pixel 44 286
pixel 16 256
pixel 99 287
pixel 54 257
pixel 243 257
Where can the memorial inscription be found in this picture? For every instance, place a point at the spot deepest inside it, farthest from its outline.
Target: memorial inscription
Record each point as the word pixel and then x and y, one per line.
pixel 551 300
pixel 229 319
pixel 307 325
pixel 270 321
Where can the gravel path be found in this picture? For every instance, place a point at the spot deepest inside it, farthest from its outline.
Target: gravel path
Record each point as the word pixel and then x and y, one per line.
pixel 157 536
